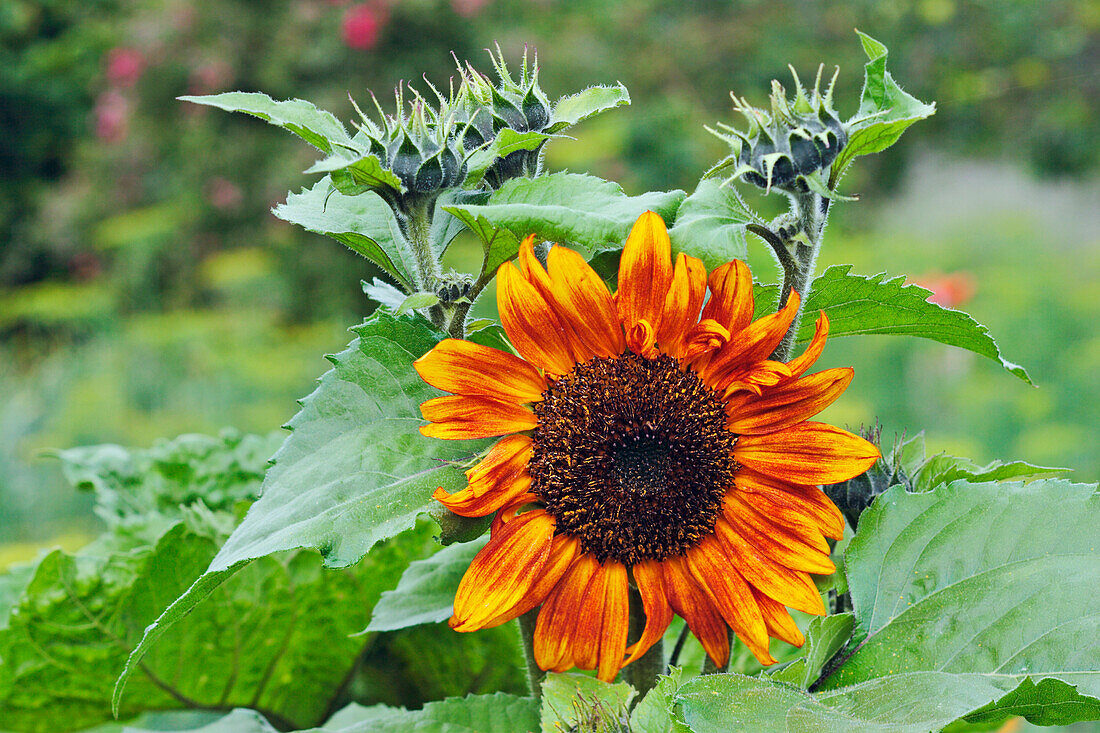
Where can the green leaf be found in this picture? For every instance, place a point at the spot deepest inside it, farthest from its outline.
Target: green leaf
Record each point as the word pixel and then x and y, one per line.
pixel 992 585
pixel 858 305
pixel 416 301
pixel 885 111
pixel 497 713
pixel 943 469
pixel 354 470
pixel 580 106
pixel 825 636
pixel 498 244
pixel 572 700
pixel 654 713
pixel 383 293
pixel 567 207
pixel 506 142
pixel 317 127
pixel 711 223
pixel 364 224
pixel 357 175
pixel 238 721
pixel 426 592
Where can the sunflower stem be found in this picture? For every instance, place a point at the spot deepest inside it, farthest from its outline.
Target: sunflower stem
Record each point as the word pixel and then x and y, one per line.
pixel 535 675
pixel 811 212
pixel 416 224
pixel 642 674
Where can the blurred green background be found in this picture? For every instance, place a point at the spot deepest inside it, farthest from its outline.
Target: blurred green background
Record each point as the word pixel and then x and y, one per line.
pixel 145 289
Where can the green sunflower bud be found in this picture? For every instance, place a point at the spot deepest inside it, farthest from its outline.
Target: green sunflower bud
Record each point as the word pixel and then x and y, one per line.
pixel 453 286
pixel 853 496
pixel 788 147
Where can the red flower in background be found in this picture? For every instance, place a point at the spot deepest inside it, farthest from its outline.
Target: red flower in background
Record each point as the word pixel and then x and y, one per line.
pixel 468 8
pixel 950 290
pixel 124 66
pixel 362 25
pixel 112 117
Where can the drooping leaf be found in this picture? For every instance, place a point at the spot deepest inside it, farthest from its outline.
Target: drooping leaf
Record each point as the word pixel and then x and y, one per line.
pixel 991 584
pixel 364 224
pixel 568 207
pixel 825 636
pixel 383 293
pixel 876 304
pixel 416 301
pixel 711 223
pixel 355 175
pixel 654 713
pixel 580 106
pixel 426 592
pixel 943 469
pixel 572 700
pixel 317 127
pixel 885 111
pixel 354 470
pixel 498 243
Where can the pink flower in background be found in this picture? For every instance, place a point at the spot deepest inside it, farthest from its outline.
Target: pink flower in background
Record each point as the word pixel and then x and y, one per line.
pixel 950 290
pixel 361 26
pixel 468 8
pixel 212 77
pixel 221 193
pixel 112 117
pixel 124 66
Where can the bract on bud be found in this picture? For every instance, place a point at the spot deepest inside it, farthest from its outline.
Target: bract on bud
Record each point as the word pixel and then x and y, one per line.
pixel 853 496
pixel 788 147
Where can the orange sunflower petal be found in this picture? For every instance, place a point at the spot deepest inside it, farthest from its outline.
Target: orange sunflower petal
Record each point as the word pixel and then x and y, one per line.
pixel 531 323
pixel 694 605
pixel 503 572
pixel 786 404
pixel 462 417
pixel 752 344
pixel 650 580
pixel 731 300
pixel 810 453
pixel 557 621
pixel 682 303
pixel 778 620
pixel 600 636
pixel 796 550
pixel 499 479
pixel 806 506
pixel 563 551
pixel 645 272
pixel 801 364
pixel 463 367
pixel 723 582
pixel 703 339
pixel 585 303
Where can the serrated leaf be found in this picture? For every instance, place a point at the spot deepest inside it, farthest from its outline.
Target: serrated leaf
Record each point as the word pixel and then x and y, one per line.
pixel 573 700
pixel 654 713
pixel 568 207
pixel 499 244
pixel 825 636
pixel 383 293
pixel 426 591
pixel 354 470
pixel 506 142
pixel 580 106
pixel 710 224
pixel 943 469
pixel 497 713
pixel 364 224
pixel 885 111
pixel 355 176
pixel 317 127
pixel 990 584
pixel 876 304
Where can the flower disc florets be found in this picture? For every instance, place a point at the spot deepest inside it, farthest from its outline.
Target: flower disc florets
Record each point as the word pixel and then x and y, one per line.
pixel 788 147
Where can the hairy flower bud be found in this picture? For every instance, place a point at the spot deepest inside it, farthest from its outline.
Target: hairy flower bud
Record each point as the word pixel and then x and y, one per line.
pixel 853 496
pixel 788 147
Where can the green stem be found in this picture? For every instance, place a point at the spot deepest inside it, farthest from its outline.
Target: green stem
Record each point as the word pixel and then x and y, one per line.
pixel 642 673
pixel 811 211
pixel 535 675
pixel 415 221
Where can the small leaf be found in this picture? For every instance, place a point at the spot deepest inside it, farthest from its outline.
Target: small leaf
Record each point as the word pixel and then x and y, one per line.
pixel 238 721
pixel 506 142
pixel 943 469
pixel 654 713
pixel 710 224
pixel 859 305
pixel 353 471
pixel 572 700
pixel 364 224
pixel 426 591
pixel 383 293
pixel 497 713
pixel 317 127
pixel 416 301
pixel 567 207
pixel 885 111
pixel 825 636
pixel 582 105
pixel 354 176
pixel 498 244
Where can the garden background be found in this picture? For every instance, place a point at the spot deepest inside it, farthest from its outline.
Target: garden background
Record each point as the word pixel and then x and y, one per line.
pixel 147 291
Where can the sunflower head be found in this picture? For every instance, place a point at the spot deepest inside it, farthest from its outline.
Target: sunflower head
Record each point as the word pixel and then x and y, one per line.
pixel 646 440
pixel 790 145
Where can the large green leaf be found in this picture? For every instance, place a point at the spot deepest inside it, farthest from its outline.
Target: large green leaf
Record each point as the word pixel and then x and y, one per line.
pixel 885 110
pixel 317 127
pixel 654 713
pixel 711 223
pixel 426 592
pixel 993 584
pixel 575 108
pixel 858 305
pixel 497 713
pixel 567 207
pixel 573 701
pixel 354 470
pixel 364 224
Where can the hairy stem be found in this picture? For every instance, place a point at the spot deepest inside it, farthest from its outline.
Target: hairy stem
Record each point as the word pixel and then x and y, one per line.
pixel 535 675
pixel 811 211
pixel 678 647
pixel 416 224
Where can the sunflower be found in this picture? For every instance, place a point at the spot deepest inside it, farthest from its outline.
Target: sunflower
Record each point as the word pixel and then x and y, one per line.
pixel 648 441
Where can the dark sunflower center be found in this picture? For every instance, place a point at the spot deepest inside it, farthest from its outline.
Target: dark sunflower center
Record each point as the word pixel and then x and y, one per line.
pixel 632 456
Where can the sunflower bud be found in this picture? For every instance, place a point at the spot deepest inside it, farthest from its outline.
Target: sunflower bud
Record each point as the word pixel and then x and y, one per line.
pixel 853 496
pixel 453 286
pixel 790 146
